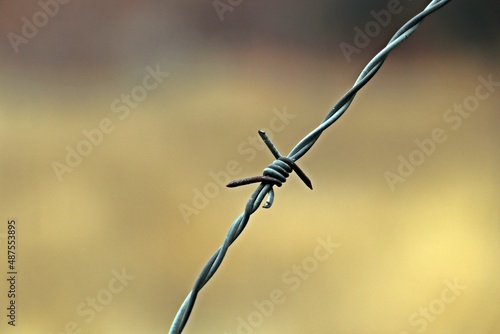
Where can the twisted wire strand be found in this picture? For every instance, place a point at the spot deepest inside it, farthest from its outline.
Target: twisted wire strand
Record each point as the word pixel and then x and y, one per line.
pixel 281 168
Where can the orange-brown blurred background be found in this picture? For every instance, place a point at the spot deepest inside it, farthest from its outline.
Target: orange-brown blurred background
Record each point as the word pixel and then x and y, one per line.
pixel 131 207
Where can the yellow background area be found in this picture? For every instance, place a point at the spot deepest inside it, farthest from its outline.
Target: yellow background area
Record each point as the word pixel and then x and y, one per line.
pixel 116 242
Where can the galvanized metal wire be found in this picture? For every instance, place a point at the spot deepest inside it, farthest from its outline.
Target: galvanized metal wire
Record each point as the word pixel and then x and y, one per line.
pixel 282 166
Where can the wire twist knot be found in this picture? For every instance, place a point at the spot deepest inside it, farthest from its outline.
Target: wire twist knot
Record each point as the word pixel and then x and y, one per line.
pixel 279 170
pixel 275 174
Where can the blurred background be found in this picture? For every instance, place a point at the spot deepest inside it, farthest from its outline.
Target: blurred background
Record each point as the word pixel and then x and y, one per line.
pixel 121 121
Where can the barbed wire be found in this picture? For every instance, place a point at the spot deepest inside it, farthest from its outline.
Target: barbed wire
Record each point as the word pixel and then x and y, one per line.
pixel 278 171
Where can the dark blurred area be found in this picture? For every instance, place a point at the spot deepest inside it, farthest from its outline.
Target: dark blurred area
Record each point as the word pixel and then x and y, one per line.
pixel 110 35
pixel 161 100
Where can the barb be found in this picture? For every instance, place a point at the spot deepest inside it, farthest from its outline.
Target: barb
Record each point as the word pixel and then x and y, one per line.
pixel 268 180
pixel 276 173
